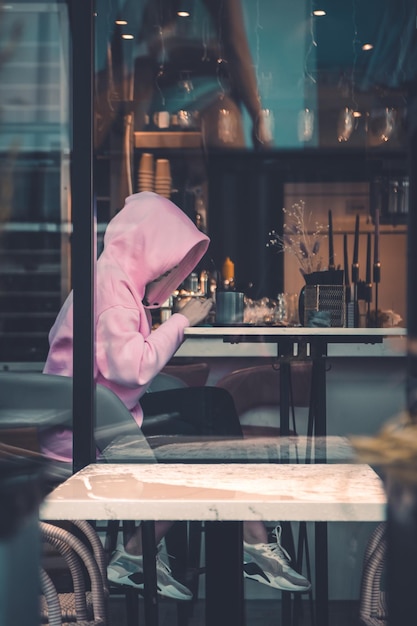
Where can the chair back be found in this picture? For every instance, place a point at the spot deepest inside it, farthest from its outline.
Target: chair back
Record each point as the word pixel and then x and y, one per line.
pixel 256 394
pixel 253 387
pixel 44 400
pixel 193 374
pixel 164 381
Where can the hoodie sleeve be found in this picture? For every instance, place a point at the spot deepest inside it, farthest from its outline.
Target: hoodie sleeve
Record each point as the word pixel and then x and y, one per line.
pixel 128 353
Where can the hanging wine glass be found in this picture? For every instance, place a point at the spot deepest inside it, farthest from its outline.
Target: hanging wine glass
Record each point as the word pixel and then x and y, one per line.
pixel 345 124
pixel 188 116
pixel 305 125
pixel 381 125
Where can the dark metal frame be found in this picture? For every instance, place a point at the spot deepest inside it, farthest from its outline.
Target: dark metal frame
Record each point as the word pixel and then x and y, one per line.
pixel 81 14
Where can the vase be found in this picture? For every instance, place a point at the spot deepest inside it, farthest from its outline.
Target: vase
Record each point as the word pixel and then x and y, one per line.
pixel 322 300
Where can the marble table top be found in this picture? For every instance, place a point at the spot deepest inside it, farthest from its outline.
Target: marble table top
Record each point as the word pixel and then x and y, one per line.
pixel 258 341
pixel 258 449
pixel 220 492
pixel 335 333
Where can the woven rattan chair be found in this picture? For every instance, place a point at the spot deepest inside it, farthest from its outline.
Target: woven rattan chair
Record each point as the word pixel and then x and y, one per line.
pixel 86 603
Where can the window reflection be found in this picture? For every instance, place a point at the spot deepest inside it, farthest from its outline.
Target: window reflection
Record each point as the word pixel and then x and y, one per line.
pixel 34 170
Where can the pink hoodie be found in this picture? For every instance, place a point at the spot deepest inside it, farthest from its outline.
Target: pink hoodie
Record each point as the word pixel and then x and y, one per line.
pixel 147 238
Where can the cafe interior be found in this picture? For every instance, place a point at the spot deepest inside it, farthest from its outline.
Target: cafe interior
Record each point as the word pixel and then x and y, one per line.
pixel 285 134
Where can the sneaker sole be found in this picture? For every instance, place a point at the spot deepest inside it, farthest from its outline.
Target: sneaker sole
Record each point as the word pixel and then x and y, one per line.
pixel 125 581
pixel 277 584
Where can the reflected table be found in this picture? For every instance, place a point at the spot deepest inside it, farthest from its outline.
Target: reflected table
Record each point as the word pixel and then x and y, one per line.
pixel 222 495
pixel 291 343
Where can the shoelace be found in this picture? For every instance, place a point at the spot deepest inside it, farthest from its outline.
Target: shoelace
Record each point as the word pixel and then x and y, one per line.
pixel 276 548
pixel 163 565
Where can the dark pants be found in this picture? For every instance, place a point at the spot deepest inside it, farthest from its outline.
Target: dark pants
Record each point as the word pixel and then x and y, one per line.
pixel 200 411
pixel 190 412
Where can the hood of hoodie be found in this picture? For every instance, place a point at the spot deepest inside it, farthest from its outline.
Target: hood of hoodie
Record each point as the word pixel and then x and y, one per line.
pixel 149 237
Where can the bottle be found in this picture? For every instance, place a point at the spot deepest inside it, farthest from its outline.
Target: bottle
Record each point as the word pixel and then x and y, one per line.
pixel 212 284
pixel 192 282
pixel 203 282
pixel 166 309
pixel 200 210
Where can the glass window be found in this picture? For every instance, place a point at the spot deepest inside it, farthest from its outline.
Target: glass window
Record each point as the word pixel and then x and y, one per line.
pixel 242 113
pixel 34 169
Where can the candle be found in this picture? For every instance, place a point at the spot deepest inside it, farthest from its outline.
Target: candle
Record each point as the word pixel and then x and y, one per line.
pixel 331 248
pixel 355 262
pixel 376 241
pixel 345 260
pixel 356 242
pixel 368 260
pixel 377 264
pixel 228 269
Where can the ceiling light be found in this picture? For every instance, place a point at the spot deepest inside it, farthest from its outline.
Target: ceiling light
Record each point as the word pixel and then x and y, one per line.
pixel 127 36
pixel 367 46
pixel 319 12
pixel 185 8
pixel 357 114
pixel 121 22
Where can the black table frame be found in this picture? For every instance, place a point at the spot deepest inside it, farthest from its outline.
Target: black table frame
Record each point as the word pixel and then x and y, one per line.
pixel 224 540
pixel 314 348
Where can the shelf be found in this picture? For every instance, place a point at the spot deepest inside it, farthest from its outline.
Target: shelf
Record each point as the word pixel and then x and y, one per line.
pixel 167 139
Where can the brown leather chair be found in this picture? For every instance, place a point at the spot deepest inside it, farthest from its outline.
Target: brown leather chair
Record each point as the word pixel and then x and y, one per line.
pixel 192 374
pixel 253 388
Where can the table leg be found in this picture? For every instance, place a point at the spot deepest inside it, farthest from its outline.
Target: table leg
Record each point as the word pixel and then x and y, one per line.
pixel 284 414
pixel 284 401
pixel 149 571
pixel 318 425
pixel 322 577
pixel 319 415
pixel 287 599
pixel 319 395
pixel 224 574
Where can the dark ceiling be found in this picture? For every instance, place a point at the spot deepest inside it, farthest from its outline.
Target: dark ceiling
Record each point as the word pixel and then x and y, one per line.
pixel 391 28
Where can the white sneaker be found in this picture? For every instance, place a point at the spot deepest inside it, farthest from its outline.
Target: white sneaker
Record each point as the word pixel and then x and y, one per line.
pixel 268 563
pixel 127 569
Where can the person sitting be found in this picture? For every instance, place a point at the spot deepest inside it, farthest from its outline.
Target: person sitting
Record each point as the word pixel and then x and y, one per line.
pixel 150 247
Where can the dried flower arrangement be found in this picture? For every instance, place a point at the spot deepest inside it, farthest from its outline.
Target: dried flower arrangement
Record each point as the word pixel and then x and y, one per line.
pixel 302 238
pixel 393 448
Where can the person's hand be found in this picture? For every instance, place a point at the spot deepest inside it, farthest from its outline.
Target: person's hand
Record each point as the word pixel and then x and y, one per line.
pixel 196 309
